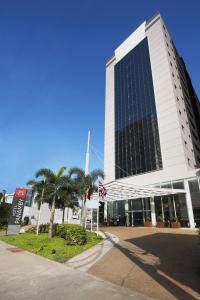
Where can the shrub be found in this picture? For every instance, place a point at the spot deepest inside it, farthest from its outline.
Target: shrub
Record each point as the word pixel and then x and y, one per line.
pixel 160 219
pixel 44 228
pixel 31 229
pixel 174 219
pixel 73 234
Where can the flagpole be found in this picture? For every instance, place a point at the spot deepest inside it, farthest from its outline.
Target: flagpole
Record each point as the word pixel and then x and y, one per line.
pixel 98 214
pixel 87 159
pixel 91 218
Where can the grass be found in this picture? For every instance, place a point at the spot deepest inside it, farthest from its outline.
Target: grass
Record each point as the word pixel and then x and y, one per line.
pixel 54 249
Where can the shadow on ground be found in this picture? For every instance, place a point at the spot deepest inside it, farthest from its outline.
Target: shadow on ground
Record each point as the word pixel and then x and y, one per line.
pixel 173 260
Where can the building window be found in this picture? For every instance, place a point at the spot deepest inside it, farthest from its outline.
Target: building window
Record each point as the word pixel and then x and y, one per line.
pixel 175 86
pixel 169 53
pixel 188 160
pixel 171 63
pixel 185 143
pixel 177 98
pixel 182 127
pixel 167 44
pixel 172 74
pixel 136 137
pixel 165 35
pixel 179 112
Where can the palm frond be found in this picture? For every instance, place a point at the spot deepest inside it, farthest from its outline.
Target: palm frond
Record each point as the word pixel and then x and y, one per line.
pixel 77 172
pixel 62 181
pixel 31 182
pixel 60 171
pixel 47 173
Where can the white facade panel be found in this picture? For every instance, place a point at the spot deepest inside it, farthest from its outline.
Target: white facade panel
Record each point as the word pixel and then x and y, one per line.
pixel 132 41
pixel 109 142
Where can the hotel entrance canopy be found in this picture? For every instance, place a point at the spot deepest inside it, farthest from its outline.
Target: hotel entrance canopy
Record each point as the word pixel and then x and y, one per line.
pixel 123 191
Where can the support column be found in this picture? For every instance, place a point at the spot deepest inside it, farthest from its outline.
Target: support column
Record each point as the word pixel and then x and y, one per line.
pixel 105 213
pixel 189 204
pixel 153 213
pixel 126 213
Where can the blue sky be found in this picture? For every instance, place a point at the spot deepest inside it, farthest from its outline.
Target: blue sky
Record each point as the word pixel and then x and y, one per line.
pixel 52 78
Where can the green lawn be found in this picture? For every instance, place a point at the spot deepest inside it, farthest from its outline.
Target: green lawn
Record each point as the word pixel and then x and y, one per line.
pixel 54 249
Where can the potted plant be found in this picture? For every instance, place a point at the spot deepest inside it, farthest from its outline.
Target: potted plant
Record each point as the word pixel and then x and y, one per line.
pixel 148 222
pixel 160 222
pixel 175 223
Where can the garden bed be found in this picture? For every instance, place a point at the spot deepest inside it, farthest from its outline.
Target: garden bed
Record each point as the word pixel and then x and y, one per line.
pixel 54 249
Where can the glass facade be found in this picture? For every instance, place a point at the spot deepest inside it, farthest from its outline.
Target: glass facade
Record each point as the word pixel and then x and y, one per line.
pixel 195 196
pixel 137 144
pixel 167 207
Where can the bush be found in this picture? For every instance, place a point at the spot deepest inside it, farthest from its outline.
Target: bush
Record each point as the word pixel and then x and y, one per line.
pixel 73 234
pixel 174 219
pixel 5 210
pixel 31 229
pixel 159 219
pixel 44 228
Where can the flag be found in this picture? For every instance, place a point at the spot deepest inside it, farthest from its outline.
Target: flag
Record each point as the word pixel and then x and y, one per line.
pixel 89 194
pixel 102 190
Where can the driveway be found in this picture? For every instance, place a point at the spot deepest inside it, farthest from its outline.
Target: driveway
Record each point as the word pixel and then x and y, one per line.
pixel 160 263
pixel 24 275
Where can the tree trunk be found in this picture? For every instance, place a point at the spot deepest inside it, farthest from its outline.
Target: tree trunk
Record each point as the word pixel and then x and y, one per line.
pixel 52 218
pixel 67 214
pixel 39 216
pixel 63 216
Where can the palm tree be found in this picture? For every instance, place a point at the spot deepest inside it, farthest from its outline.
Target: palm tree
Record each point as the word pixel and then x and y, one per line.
pixel 56 181
pixel 85 183
pixel 67 199
pixel 41 191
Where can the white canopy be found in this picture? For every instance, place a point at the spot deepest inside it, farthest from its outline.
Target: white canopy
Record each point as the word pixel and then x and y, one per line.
pixel 122 191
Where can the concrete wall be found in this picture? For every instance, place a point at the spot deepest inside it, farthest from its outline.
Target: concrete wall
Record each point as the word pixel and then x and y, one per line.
pixel 33 213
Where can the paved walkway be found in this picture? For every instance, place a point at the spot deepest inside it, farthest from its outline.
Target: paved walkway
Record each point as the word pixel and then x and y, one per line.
pixel 24 275
pixel 160 263
pixel 84 261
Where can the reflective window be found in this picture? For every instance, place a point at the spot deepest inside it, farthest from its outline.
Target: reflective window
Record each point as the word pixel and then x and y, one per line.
pixel 137 144
pixel 178 184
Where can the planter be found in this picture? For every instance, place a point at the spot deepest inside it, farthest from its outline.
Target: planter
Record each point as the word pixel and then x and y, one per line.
pixel 175 224
pixel 160 224
pixel 148 224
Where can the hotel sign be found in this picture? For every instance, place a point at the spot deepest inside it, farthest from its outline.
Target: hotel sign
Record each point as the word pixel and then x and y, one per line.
pixel 17 210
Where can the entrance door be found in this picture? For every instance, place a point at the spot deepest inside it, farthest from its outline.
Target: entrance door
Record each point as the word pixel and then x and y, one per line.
pixel 138 219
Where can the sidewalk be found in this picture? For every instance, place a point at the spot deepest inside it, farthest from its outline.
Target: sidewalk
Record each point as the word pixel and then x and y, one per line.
pixel 84 261
pixel 27 276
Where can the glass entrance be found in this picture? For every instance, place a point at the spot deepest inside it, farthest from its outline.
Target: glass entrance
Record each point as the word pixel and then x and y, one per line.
pixel 139 211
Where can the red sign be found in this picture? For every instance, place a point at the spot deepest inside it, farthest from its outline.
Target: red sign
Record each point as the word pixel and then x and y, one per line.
pixel 20 193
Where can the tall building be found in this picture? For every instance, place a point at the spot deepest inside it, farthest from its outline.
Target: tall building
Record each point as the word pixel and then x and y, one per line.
pixel 152 126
